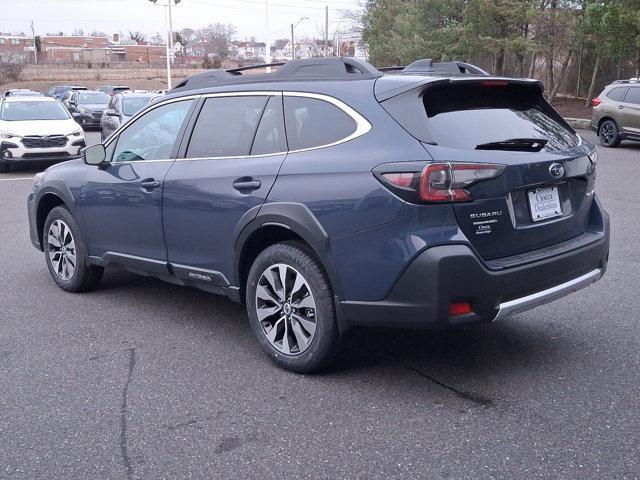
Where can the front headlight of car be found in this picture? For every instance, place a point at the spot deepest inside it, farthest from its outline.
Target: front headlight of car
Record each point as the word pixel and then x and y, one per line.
pixel 6 136
pixel 77 133
pixel 593 155
pixel 38 178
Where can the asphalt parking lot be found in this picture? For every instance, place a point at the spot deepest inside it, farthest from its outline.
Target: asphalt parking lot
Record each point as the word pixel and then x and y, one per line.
pixel 141 379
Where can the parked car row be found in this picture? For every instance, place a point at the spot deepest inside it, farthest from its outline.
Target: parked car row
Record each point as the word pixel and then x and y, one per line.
pixel 49 128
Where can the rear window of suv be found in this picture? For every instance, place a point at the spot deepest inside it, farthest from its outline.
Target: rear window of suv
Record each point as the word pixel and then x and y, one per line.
pixel 311 123
pixel 465 116
pixel 617 94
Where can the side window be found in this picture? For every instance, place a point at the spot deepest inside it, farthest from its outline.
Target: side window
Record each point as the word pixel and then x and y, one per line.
pixel 270 134
pixel 617 94
pixel 152 136
pixel 633 96
pixel 313 123
pixel 226 127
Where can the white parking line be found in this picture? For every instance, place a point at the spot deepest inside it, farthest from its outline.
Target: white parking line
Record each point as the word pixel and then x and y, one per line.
pixel 13 179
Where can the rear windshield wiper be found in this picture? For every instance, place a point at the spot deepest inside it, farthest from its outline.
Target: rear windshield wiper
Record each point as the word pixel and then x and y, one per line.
pixel 515 144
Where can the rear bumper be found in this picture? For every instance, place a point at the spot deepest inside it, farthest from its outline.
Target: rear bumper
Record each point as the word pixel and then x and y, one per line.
pixel 448 274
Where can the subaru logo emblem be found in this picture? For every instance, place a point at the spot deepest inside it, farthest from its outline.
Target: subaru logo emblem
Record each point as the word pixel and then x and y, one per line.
pixel 44 138
pixel 556 170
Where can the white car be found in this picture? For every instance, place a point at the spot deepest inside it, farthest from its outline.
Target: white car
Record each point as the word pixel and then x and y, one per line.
pixel 37 129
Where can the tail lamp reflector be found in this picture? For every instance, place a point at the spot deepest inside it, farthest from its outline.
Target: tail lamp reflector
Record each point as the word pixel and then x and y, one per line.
pixel 595 102
pixel 404 180
pixel 461 308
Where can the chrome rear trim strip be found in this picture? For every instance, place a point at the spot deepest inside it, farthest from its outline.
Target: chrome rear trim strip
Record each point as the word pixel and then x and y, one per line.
pixel 523 304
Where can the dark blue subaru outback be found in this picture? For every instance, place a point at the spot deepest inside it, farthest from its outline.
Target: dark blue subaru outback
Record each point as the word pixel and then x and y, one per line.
pixel 329 194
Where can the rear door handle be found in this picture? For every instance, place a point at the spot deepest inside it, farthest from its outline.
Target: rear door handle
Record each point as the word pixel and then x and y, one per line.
pixel 249 184
pixel 149 184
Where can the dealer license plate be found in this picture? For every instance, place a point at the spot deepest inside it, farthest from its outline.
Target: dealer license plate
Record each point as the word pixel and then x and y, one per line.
pixel 544 203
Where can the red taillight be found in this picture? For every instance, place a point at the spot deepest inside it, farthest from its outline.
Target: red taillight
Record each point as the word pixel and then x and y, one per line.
pixel 595 102
pixel 448 182
pixel 434 183
pixel 461 308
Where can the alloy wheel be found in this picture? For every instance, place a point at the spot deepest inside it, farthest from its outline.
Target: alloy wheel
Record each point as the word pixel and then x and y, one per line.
pixel 61 249
pixel 286 309
pixel 607 133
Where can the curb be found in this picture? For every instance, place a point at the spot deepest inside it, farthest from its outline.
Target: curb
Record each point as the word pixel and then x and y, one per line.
pixel 579 123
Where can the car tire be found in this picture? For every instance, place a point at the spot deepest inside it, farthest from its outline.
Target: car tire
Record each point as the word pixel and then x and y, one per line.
pixel 66 253
pixel 608 134
pixel 296 326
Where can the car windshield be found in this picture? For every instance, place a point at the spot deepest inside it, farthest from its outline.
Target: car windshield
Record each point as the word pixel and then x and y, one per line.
pixel 93 98
pixel 17 111
pixel 131 105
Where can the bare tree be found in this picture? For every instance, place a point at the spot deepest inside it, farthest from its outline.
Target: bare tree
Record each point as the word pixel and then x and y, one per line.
pixel 184 37
pixel 157 39
pixel 137 36
pixel 217 38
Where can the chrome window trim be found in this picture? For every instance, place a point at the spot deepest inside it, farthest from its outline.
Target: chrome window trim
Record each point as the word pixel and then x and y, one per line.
pixel 362 124
pixel 249 93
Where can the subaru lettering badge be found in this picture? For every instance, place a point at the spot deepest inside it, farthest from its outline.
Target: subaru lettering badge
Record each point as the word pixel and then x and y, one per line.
pixel 556 170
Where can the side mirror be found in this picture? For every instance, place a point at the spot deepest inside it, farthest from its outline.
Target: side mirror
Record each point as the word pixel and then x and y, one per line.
pixel 95 155
pixel 73 103
pixel 111 112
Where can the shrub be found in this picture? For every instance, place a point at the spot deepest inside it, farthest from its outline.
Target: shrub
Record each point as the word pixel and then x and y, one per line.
pixel 12 68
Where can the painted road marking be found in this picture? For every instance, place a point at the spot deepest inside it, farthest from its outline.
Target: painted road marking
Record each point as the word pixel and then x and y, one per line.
pixel 13 179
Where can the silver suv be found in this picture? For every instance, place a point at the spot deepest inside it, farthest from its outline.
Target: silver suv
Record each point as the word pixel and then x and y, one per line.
pixel 616 113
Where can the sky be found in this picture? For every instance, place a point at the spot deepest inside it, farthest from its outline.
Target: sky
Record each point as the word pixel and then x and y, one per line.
pixel 111 16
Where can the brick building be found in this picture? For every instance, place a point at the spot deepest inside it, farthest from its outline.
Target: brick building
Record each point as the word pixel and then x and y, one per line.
pixel 12 46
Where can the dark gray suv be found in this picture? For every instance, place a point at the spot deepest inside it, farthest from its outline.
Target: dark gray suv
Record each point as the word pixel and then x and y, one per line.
pixel 329 194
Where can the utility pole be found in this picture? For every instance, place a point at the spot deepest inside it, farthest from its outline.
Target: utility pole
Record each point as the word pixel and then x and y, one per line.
pixel 267 48
pixel 170 31
pixel 168 54
pixel 169 42
pixel 35 47
pixel 293 45
pixel 326 30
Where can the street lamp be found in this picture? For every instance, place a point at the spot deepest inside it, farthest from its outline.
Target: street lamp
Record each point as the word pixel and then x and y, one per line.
pixel 169 42
pixel 293 45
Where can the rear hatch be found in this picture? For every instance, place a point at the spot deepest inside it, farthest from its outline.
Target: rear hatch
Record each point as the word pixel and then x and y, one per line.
pixel 541 195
